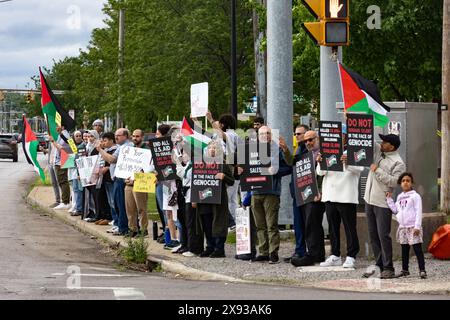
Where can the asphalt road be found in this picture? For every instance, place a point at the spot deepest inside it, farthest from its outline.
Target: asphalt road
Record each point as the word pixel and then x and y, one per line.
pixel 42 258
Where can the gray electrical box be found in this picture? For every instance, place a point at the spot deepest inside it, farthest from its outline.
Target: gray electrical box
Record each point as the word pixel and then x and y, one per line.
pixel 416 124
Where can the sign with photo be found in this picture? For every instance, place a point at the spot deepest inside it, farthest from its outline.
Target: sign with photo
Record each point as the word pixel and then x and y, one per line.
pixel 330 133
pixel 360 131
pixel 205 188
pixel 89 170
pixel 243 231
pixel 305 181
pixel 132 160
pixel 162 158
pixel 257 158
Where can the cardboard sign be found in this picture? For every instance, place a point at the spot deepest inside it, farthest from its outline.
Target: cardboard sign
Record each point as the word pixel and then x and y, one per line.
pixel 132 160
pixel 305 181
pixel 360 139
pixel 144 182
pixel 162 158
pixel 89 170
pixel 252 177
pixel 205 188
pixel 330 133
pixel 199 99
pixel 243 231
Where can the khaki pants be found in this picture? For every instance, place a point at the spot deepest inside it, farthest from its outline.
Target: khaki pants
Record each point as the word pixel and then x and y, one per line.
pixel 265 211
pixel 61 175
pixel 136 204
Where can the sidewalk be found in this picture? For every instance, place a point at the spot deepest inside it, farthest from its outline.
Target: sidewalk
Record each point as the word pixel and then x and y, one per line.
pixel 231 270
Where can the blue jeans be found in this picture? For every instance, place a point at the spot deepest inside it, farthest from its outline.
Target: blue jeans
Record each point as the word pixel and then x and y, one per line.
pixel 298 230
pixel 109 186
pixel 119 201
pixel 78 195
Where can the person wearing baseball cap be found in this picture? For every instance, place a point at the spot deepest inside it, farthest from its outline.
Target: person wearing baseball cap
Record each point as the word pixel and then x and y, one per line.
pixel 382 178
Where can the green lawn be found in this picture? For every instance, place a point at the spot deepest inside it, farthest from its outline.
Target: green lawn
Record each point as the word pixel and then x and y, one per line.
pixel 151 207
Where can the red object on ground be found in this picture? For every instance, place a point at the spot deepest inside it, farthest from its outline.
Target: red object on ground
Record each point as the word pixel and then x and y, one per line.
pixel 440 243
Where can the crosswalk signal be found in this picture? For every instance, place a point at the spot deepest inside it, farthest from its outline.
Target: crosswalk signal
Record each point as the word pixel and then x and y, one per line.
pixel 333 28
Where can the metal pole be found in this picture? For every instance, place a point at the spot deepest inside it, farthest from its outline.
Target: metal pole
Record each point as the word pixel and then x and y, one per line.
pixel 279 85
pixel 445 117
pixel 119 123
pixel 233 60
pixel 260 65
pixel 330 88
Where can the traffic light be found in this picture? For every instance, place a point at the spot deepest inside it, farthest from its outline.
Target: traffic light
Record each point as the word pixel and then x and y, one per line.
pixel 333 28
pixel 30 97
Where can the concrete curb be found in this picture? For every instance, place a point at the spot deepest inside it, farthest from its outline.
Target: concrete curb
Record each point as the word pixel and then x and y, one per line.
pixel 87 228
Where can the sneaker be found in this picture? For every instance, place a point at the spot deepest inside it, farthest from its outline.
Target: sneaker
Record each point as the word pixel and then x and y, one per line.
pixel 332 261
pixel 217 254
pixel 90 220
pixel 262 258
pixel 189 254
pixel 171 245
pixel 289 259
pixel 54 205
pixel 118 233
pixel 423 274
pixel 206 253
pixel 403 273
pixel 111 223
pixel 76 213
pixel 245 257
pixel 349 262
pixel 303 261
pixel 113 229
pixel 174 250
pixel 71 210
pixel 387 274
pixel 274 258
pixel 62 206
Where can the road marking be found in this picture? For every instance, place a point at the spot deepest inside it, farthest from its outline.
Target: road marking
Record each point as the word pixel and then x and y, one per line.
pixel 128 294
pixel 96 275
pixel 324 269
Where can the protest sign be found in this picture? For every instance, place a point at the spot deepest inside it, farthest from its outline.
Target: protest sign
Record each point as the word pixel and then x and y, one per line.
pixel 88 169
pixel 162 158
pixel 199 99
pixel 330 133
pixel 205 188
pixel 257 158
pixel 359 139
pixel 243 231
pixel 305 182
pixel 144 182
pixel 132 160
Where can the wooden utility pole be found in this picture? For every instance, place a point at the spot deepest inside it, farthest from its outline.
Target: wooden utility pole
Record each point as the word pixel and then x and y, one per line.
pixel 445 150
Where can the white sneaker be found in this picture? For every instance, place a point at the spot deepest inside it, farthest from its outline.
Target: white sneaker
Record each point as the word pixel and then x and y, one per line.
pixel 72 210
pixel 62 206
pixel 332 261
pixel 111 223
pixel 115 228
pixel 175 249
pixel 349 262
pixel 189 254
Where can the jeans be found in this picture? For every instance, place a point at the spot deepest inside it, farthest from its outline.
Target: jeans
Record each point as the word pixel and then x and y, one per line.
pixel 78 195
pixel 109 186
pixel 119 201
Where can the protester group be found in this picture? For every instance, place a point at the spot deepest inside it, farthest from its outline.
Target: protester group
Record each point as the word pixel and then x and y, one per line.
pixel 195 226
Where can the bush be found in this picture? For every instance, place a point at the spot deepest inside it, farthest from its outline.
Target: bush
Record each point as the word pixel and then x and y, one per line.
pixel 136 251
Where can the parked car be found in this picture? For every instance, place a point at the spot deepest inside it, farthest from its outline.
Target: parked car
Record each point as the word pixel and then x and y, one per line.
pixel 8 146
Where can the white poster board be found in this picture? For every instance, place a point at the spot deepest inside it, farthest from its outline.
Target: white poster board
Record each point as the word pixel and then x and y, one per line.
pixel 132 160
pixel 88 169
pixel 243 231
pixel 199 99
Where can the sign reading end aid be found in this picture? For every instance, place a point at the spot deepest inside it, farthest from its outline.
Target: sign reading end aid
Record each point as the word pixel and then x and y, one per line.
pixel 359 139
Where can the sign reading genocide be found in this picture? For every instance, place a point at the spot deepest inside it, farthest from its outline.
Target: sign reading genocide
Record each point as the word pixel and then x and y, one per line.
pixel 252 177
pixel 205 188
pixel 330 133
pixel 88 169
pixel 305 181
pixel 162 158
pixel 359 139
pixel 132 160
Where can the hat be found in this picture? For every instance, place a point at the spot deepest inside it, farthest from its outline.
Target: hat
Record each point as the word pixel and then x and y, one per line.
pixel 98 121
pixel 94 134
pixel 392 139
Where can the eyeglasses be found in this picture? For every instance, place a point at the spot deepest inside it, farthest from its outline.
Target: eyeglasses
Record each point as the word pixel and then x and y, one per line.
pixel 310 139
pixel 298 133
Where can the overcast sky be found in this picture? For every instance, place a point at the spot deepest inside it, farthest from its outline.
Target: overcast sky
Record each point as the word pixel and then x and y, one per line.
pixel 34 32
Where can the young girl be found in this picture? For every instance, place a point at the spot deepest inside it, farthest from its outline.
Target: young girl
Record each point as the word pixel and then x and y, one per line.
pixel 408 209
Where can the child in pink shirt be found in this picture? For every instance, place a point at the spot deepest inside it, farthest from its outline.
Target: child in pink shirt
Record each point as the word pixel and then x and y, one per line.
pixel 408 209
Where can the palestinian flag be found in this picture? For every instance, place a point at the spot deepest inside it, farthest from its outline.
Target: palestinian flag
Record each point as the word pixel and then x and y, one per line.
pixel 362 95
pixel 193 136
pixel 30 146
pixel 53 111
pixel 67 159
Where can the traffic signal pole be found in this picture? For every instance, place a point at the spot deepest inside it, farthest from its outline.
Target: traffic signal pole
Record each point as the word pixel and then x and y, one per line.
pixel 330 88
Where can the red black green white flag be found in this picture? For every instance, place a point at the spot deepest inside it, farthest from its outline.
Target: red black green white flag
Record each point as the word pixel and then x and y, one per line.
pixel 53 111
pixel 30 146
pixel 192 135
pixel 362 95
